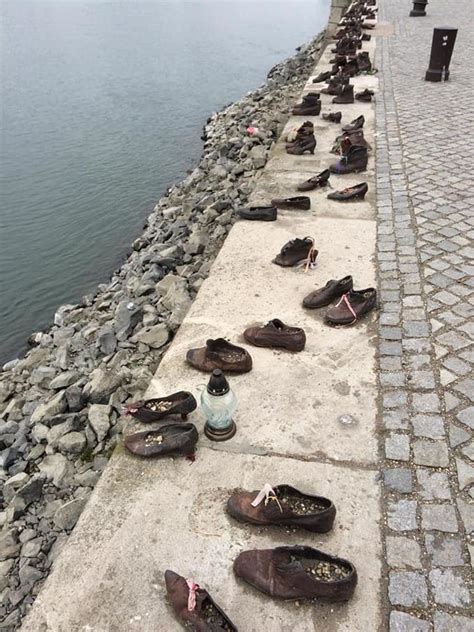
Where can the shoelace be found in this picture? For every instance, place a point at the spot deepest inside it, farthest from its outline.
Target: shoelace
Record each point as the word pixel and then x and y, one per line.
pixel 192 594
pixel 311 258
pixel 267 493
pixel 348 304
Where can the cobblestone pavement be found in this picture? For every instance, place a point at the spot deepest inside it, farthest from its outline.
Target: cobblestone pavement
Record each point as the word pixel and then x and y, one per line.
pixel 425 195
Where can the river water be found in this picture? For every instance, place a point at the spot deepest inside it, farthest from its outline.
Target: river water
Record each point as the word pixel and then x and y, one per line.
pixel 103 105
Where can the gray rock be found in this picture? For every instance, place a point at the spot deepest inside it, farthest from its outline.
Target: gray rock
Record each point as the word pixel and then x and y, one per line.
pixel 54 406
pixel 31 548
pixel 72 443
pixel 42 376
pixel 444 622
pixel 154 337
pixel 29 493
pixel 439 517
pixel 101 385
pixel 29 575
pixel 26 535
pixel 9 545
pixel 13 484
pixel 430 453
pixel 402 515
pixel 60 317
pixel 127 316
pixel 64 380
pixel 433 485
pixel 398 479
pixel 56 468
pixel 74 398
pixel 99 419
pixel 106 339
pixel 68 514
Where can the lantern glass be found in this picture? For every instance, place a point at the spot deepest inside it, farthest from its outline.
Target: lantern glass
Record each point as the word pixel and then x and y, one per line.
pixel 219 409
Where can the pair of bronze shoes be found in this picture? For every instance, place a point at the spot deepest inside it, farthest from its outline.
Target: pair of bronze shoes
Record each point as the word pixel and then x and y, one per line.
pixel 291 572
pixel 172 438
pixel 285 572
pixel 352 303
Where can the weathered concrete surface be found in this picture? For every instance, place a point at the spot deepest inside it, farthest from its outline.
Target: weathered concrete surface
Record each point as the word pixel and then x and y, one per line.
pixel 144 517
pixel 147 517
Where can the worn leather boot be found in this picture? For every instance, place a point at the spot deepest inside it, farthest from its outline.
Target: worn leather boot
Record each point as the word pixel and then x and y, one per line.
pixel 307 109
pixel 350 69
pixel 357 123
pixel 352 306
pixel 356 192
pixel 354 161
pixel 346 95
pixel 276 335
pixel 323 76
pixel 366 95
pixel 194 605
pixel 363 62
pixel 330 292
pixel 297 572
pixel 283 505
pixel 297 252
pixel 333 117
pixel 303 145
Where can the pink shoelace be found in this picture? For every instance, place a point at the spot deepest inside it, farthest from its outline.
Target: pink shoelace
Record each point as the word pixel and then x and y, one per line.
pixel 267 493
pixel 348 305
pixel 192 594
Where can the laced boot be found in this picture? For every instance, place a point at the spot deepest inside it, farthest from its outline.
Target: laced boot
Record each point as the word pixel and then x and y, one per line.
pixel 299 147
pixel 366 95
pixel 304 130
pixel 345 94
pixel 323 76
pixel 335 84
pixel 354 161
pixel 333 117
pixel 310 105
pixel 363 62
pixel 351 68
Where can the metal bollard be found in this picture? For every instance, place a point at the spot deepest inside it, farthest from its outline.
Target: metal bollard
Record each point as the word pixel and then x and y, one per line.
pixel 419 8
pixel 442 47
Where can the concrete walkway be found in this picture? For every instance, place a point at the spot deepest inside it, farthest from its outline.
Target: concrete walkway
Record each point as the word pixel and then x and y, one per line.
pixel 145 517
pixel 425 253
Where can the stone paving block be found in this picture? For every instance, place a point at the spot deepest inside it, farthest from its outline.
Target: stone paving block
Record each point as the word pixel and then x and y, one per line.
pixel 433 485
pixel 425 402
pixel 403 553
pixel 398 479
pixel 439 518
pixel 430 453
pixel 407 589
pixel 465 473
pixel 449 588
pixel 397 447
pixel 402 515
pixel 403 622
pixel 444 622
pixel 445 550
pixel 466 417
pixel 430 426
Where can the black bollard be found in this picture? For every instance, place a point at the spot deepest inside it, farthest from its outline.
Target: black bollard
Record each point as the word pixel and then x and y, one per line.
pixel 419 8
pixel 441 50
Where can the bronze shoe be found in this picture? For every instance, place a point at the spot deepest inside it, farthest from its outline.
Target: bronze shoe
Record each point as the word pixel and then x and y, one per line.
pixel 352 306
pixel 194 605
pixel 275 334
pixel 327 294
pixel 170 440
pixel 285 506
pixel 297 572
pixel 180 403
pixel 220 354
pixel 297 252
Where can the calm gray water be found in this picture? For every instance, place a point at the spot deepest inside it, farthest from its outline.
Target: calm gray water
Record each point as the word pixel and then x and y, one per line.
pixel 102 109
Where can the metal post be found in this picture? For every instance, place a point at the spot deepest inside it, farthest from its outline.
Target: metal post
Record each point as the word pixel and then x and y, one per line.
pixel 419 8
pixel 441 50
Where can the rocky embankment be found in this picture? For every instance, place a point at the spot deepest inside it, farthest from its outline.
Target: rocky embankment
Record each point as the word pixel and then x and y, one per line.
pixel 61 405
